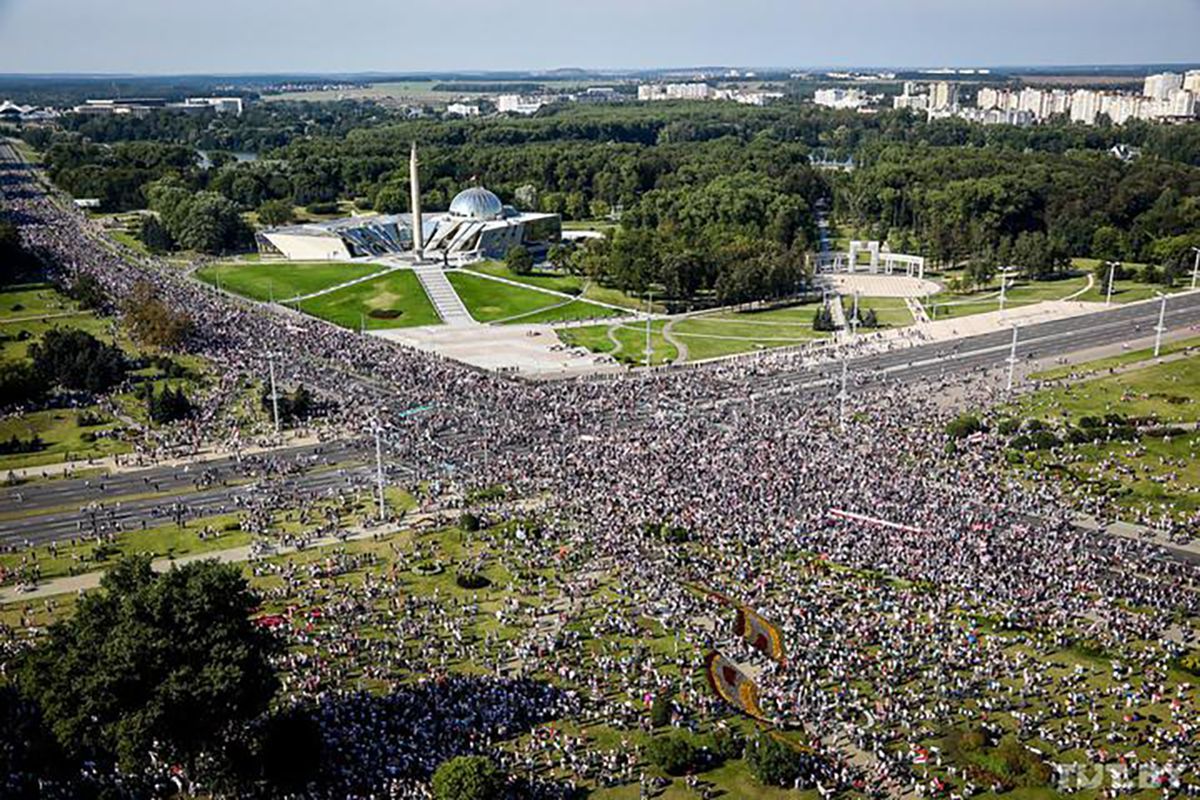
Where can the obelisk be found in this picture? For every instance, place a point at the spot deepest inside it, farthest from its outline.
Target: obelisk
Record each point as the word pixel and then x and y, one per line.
pixel 415 182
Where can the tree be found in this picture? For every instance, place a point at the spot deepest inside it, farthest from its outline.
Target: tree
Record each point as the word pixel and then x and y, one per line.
pixel 773 763
pixel 20 382
pixel 169 405
pixel 87 290
pixel 151 321
pixel 74 359
pixel 15 261
pixel 155 235
pixel 518 260
pixel 467 778
pixel 154 665
pixel 673 754
pixel 275 212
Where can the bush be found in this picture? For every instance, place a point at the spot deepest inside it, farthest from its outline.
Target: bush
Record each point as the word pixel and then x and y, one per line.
pixel 775 764
pixel 468 522
pixel 660 709
pixel 673 754
pixel 1007 427
pixel 467 778
pixel 963 426
pixel 727 744
pixel 471 580
pixel 1043 440
pixel 322 208
pixel 518 260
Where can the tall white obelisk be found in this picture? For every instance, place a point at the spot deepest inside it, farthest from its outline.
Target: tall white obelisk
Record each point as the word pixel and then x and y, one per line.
pixel 415 183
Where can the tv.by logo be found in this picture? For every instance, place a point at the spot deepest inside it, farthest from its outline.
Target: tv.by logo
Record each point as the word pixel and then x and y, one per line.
pixel 1077 777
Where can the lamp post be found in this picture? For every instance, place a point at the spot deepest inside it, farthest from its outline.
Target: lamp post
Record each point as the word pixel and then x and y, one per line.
pixel 1012 360
pixel 379 469
pixel 842 398
pixel 1196 267
pixel 1158 330
pixel 1112 275
pixel 274 392
pixel 649 311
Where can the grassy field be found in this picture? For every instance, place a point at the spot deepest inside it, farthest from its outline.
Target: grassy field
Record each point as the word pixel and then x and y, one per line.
pixel 571 311
pixel 555 281
pixel 1155 474
pixel 1105 364
pixel 731 332
pixel 631 339
pixel 891 312
pixel 1019 293
pixel 398 291
pixel 282 280
pixel 489 301
pixel 64 438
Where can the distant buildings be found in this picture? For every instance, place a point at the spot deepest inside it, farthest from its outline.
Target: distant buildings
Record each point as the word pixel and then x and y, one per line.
pixel 462 110
pixel 1164 97
pixel 842 98
pixel 702 91
pixel 12 112
pixel 141 106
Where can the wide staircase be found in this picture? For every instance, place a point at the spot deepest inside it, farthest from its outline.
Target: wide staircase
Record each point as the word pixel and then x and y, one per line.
pixel 445 300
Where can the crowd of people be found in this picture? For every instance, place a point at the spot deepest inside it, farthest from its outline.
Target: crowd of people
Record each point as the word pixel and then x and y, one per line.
pixel 972 600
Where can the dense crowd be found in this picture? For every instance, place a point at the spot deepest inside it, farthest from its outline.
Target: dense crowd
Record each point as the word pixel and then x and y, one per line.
pixel 961 618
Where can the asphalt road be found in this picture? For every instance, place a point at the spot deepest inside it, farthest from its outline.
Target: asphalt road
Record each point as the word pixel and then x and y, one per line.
pixel 346 465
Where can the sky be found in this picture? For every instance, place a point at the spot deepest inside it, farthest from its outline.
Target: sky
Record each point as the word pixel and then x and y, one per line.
pixel 313 36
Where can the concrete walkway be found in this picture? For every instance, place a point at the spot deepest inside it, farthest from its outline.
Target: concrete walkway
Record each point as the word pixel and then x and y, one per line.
pixel 446 301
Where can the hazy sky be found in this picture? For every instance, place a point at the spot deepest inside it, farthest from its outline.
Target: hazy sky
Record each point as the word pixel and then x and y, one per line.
pixel 188 36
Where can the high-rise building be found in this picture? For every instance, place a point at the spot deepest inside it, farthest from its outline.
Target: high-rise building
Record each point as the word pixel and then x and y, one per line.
pixel 1161 85
pixel 1191 80
pixel 943 94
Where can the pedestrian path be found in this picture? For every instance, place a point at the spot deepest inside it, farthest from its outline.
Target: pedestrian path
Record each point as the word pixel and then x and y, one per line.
pixel 330 289
pixel 915 307
pixel 446 301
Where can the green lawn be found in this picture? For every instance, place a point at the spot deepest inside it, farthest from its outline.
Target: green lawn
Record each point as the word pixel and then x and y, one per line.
pixel 558 282
pixel 1020 293
pixel 398 291
pixel 891 312
pixel 488 300
pixel 632 339
pixel 281 280
pixel 573 310
pixel 1103 364
pixel 63 436
pixel 1155 473
pixel 730 332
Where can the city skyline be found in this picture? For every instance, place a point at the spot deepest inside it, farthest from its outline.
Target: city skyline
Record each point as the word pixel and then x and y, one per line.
pixel 226 37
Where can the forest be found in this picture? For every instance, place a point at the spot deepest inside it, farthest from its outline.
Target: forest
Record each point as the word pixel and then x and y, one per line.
pixel 712 196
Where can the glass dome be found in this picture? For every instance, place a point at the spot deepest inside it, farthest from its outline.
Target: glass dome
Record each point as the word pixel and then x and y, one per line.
pixel 477 203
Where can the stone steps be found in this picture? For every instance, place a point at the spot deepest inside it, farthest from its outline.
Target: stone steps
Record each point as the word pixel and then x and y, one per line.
pixel 446 301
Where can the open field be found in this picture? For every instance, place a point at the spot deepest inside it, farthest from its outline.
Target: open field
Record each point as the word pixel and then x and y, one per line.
pixel 568 311
pixel 890 312
pixel 490 301
pixel 1155 471
pixel 1019 293
pixel 630 346
pixel 282 280
pixel 395 300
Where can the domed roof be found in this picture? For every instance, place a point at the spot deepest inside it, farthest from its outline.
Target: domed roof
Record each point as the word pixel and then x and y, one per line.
pixel 477 203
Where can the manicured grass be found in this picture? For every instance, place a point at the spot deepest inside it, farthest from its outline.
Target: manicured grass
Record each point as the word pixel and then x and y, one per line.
pixel 165 540
pixel 615 297
pixel 632 338
pixel 711 337
pixel 282 280
pixel 63 436
pixel 571 311
pixel 488 300
pixel 19 301
pixel 1103 364
pixel 1155 473
pixel 1020 293
pixel 891 312
pixel 558 282
pixel 397 291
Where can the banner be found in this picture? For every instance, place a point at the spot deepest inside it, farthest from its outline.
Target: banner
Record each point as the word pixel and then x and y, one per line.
pixel 732 686
pixel 761 635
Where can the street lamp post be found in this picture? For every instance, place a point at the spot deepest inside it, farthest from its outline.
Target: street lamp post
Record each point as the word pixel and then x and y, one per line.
pixel 1158 330
pixel 274 392
pixel 1196 267
pixel 1012 360
pixel 1112 275
pixel 649 311
pixel 1003 288
pixel 842 398
pixel 379 470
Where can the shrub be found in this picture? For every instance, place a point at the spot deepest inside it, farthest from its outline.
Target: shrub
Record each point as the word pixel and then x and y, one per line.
pixel 471 580
pixel 673 754
pixel 1007 427
pixel 1043 440
pixel 660 709
pixel 963 426
pixel 775 764
pixel 467 778
pixel 322 208
pixel 468 522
